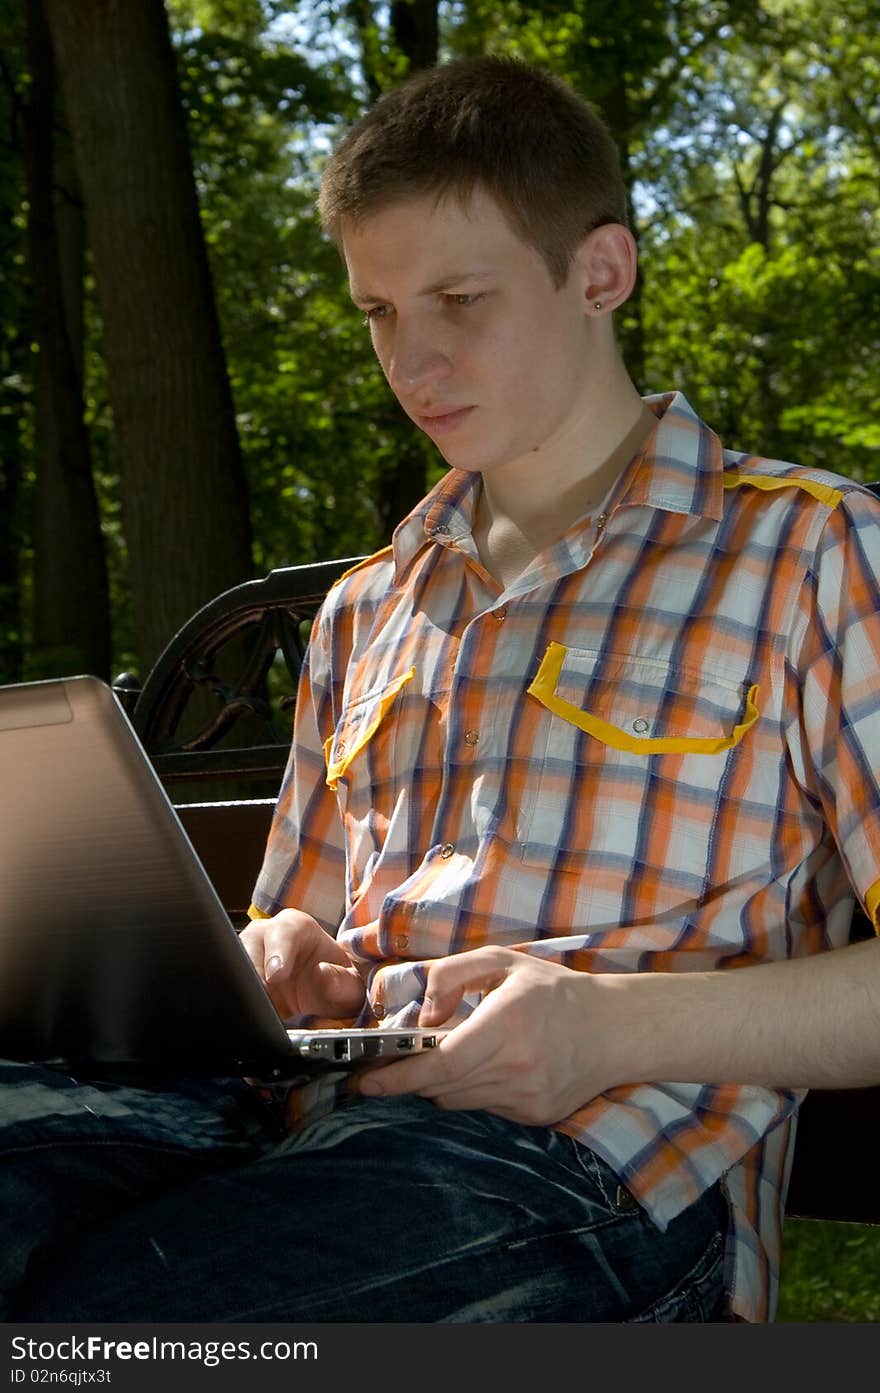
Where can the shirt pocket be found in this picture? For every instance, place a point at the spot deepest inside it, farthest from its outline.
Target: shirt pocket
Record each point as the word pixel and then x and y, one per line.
pixel 644 706
pixel 363 737
pixel 622 731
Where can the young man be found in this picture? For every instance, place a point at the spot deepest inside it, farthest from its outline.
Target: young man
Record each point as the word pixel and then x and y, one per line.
pixel 600 722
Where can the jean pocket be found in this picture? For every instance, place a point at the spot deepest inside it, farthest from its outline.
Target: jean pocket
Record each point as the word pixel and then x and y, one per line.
pixel 698 1297
pixel 610 1192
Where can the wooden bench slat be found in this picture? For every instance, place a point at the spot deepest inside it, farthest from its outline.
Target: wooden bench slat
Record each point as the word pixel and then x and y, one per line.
pixel 229 839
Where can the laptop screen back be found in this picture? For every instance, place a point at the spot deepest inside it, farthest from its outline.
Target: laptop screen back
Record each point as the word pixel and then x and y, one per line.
pixel 113 944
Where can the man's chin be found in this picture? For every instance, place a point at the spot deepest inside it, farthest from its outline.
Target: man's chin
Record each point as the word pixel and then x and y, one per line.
pixel 460 460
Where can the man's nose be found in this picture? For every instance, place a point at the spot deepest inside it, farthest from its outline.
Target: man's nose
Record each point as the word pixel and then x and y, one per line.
pixel 416 361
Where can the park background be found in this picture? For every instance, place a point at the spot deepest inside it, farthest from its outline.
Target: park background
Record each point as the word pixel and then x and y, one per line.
pixel 188 398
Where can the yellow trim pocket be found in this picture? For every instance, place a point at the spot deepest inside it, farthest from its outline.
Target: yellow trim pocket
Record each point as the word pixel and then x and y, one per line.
pixel 355 732
pixel 544 687
pixel 770 482
pixel 255 913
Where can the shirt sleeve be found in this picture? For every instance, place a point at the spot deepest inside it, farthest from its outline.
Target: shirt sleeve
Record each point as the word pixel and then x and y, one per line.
pixel 834 656
pixel 304 863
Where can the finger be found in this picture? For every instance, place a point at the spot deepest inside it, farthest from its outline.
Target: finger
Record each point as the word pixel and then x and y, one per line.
pixel 268 945
pixel 305 970
pixel 404 1076
pixel 481 969
pixel 318 988
pixel 251 940
pixel 459 1057
pixel 342 989
pixel 292 941
pixel 287 942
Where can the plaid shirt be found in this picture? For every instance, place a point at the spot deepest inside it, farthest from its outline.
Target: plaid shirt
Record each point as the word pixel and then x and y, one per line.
pixel 654 751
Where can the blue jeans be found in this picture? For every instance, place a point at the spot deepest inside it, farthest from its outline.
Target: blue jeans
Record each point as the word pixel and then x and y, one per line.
pixel 186 1202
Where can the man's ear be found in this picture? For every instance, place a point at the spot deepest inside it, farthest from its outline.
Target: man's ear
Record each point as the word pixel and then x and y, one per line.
pixel 606 263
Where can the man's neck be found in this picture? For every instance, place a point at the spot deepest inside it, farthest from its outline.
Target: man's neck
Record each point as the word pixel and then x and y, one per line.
pixel 528 506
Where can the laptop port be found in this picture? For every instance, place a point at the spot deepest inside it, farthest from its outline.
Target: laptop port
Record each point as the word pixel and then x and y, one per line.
pixel 428 1042
pixel 340 1049
pixel 405 1042
pixel 370 1048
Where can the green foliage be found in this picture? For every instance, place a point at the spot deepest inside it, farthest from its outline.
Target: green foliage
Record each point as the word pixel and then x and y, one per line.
pixel 762 294
pixel 750 137
pixel 830 1272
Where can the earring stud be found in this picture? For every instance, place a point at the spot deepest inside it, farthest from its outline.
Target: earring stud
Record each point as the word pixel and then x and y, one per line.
pixel 597 304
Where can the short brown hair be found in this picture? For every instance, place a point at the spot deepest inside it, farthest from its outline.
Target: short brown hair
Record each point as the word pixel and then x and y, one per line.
pixel 542 153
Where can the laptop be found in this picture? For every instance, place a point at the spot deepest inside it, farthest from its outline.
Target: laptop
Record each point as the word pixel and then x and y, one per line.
pixel 116 954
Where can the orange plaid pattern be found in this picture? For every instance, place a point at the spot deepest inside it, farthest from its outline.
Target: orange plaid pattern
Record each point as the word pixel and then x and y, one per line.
pixel 654 751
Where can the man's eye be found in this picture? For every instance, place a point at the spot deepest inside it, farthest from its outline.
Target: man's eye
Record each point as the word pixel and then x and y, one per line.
pixel 376 312
pixel 463 299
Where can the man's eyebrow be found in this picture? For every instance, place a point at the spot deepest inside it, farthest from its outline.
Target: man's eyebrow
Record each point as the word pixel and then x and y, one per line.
pixel 365 297
pixel 455 278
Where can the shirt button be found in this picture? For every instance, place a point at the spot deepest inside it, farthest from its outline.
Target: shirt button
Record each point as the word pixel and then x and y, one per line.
pixel 471 737
pixel 447 850
pixel 378 1010
pixel 601 521
pixel 442 530
pixel 501 614
pixel 641 725
pixel 401 942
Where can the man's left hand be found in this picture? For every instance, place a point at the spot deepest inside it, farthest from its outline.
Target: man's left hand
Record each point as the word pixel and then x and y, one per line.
pixel 528 1052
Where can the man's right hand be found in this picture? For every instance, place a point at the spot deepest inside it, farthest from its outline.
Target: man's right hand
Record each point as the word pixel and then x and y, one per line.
pixel 305 970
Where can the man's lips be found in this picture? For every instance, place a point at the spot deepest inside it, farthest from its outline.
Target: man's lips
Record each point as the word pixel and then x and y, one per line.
pixel 442 422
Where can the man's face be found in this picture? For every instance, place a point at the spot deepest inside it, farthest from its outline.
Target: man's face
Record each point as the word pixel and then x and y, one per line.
pixel 480 348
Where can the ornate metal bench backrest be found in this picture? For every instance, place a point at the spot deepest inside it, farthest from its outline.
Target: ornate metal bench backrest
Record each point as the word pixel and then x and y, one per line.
pixel 217 703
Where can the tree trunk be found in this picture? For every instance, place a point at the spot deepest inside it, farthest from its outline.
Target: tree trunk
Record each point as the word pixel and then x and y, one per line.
pixel 71 621
pixel 184 496
pixel 416 31
pixel 361 13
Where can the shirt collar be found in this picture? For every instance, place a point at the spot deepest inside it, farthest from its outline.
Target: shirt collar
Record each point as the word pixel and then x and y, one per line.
pixel 446 515
pixel 677 469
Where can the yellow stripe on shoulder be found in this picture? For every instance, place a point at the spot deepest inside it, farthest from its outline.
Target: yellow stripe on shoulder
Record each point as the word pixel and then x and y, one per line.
pixel 359 565
pixel 770 482
pixel 255 913
pixel 872 905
